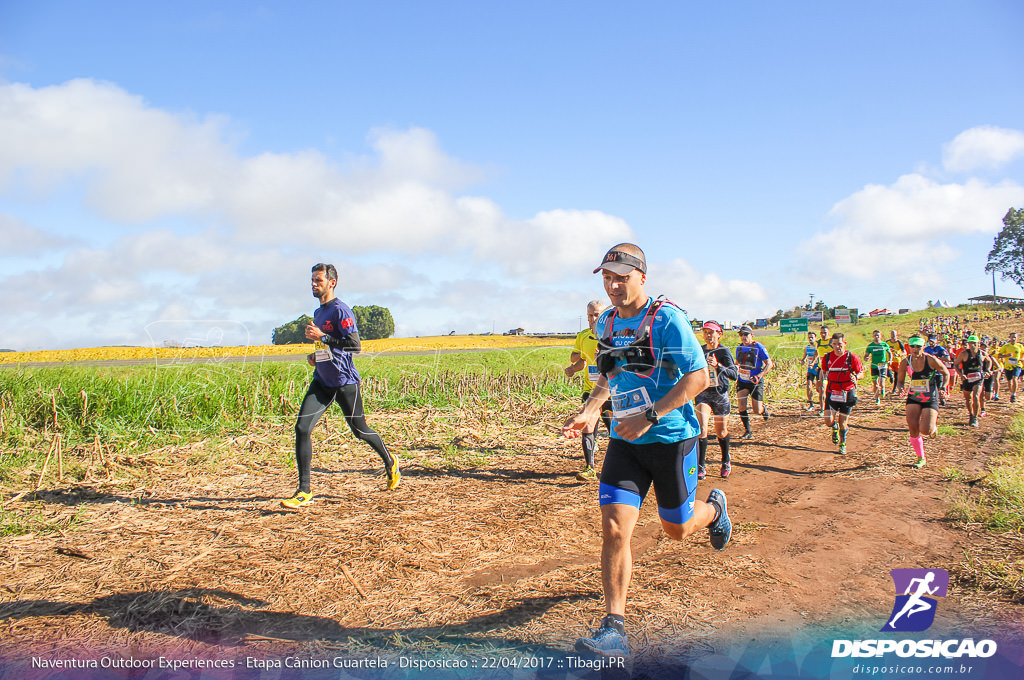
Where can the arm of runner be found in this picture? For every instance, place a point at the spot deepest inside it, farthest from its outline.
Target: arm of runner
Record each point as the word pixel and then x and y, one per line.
pixel 858 368
pixel 958 364
pixel 727 369
pixel 939 366
pixel 688 387
pixel 313 331
pixel 576 364
pixel 591 411
pixel 349 343
pixel 901 377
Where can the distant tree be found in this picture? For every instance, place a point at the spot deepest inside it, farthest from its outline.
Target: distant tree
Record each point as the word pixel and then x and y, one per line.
pixel 374 322
pixel 775 318
pixel 292 333
pixel 1007 254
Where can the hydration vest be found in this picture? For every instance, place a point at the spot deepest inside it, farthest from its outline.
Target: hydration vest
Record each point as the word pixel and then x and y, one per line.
pixel 638 356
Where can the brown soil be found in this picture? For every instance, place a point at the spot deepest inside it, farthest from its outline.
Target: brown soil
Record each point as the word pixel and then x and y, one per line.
pixel 500 555
pixel 490 544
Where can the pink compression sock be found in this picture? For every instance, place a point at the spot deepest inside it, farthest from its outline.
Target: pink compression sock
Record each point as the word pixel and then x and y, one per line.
pixel 917 443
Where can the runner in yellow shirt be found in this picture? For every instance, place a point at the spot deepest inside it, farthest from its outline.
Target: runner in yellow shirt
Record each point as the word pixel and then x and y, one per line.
pixel 1010 356
pixel 898 352
pixel 582 359
pixel 823 346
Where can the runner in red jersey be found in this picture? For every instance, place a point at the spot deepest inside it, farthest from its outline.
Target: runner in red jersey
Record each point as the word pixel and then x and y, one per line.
pixel 842 370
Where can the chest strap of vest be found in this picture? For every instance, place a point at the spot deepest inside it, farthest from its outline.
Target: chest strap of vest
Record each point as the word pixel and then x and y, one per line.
pixel 636 357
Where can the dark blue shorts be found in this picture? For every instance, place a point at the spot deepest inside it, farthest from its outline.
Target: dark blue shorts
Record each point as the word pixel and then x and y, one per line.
pixel 718 402
pixel 630 469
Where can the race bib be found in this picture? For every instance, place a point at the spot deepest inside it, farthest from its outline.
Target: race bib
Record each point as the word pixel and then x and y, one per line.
pixel 321 352
pixel 1012 360
pixel 631 402
pixel 838 396
pixel 972 377
pixel 593 374
pixel 713 373
pixel 920 386
pixel 745 374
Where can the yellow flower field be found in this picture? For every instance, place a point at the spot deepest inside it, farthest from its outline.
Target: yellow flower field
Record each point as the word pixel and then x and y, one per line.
pixel 255 351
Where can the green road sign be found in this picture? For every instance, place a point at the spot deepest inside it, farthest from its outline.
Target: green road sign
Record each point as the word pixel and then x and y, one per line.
pixel 792 325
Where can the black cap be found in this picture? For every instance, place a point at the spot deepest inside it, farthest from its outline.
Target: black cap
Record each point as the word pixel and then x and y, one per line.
pixel 621 262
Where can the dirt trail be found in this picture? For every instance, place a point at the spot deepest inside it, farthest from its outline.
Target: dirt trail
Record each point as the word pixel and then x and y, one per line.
pixel 499 555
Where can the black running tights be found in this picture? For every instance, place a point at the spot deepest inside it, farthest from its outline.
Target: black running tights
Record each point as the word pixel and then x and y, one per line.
pixel 317 400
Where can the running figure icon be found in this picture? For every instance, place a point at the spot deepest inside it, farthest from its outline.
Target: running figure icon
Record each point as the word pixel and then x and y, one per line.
pixel 916 600
pixel 915 603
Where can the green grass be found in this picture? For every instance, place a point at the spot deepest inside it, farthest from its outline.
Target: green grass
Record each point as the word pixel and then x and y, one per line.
pixel 996 503
pixel 32 520
pixel 136 408
pixel 1000 504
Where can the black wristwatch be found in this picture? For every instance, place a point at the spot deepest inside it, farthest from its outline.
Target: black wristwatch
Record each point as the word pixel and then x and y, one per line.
pixel 324 338
pixel 652 415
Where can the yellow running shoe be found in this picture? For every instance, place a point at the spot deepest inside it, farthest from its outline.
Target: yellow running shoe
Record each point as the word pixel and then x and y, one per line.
pixel 920 463
pixel 394 475
pixel 298 500
pixel 587 474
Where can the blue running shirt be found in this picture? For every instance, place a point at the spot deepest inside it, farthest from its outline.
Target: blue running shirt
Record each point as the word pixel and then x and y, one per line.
pixel 337 320
pixel 672 338
pixel 751 360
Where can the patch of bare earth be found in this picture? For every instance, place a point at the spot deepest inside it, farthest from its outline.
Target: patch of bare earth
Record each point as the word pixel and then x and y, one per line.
pixel 489 543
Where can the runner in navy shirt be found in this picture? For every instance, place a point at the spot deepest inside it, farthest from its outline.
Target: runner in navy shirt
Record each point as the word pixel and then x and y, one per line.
pixel 752 362
pixel 335 378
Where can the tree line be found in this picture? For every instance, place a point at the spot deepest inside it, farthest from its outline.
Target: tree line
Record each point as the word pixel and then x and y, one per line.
pixel 374 323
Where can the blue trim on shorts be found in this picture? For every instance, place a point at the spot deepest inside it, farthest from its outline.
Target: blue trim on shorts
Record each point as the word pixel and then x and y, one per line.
pixel 684 513
pixel 613 494
pixel 680 515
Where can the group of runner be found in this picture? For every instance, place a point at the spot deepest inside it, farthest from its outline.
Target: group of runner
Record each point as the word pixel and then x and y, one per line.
pixel 921 370
pixel 658 391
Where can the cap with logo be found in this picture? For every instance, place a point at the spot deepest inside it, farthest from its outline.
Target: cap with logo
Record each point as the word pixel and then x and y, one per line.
pixel 622 263
pixel 746 329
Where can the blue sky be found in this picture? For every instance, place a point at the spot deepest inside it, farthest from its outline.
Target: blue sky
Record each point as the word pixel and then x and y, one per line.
pixel 167 169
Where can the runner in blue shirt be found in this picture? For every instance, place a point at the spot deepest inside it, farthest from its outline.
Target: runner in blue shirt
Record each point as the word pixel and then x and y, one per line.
pixel 335 379
pixel 752 362
pixel 812 362
pixel 939 352
pixel 652 366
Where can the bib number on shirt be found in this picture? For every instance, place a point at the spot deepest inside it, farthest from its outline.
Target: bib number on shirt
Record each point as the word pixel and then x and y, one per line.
pixel 920 389
pixel 973 377
pixel 745 374
pixel 713 372
pixel 321 352
pixel 593 374
pixel 837 396
pixel 630 403
pixel 1012 360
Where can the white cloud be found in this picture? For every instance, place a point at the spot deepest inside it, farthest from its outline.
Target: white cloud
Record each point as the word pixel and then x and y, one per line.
pixel 17 238
pixel 394 219
pixel 707 295
pixel 982 148
pixel 140 164
pixel 899 229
